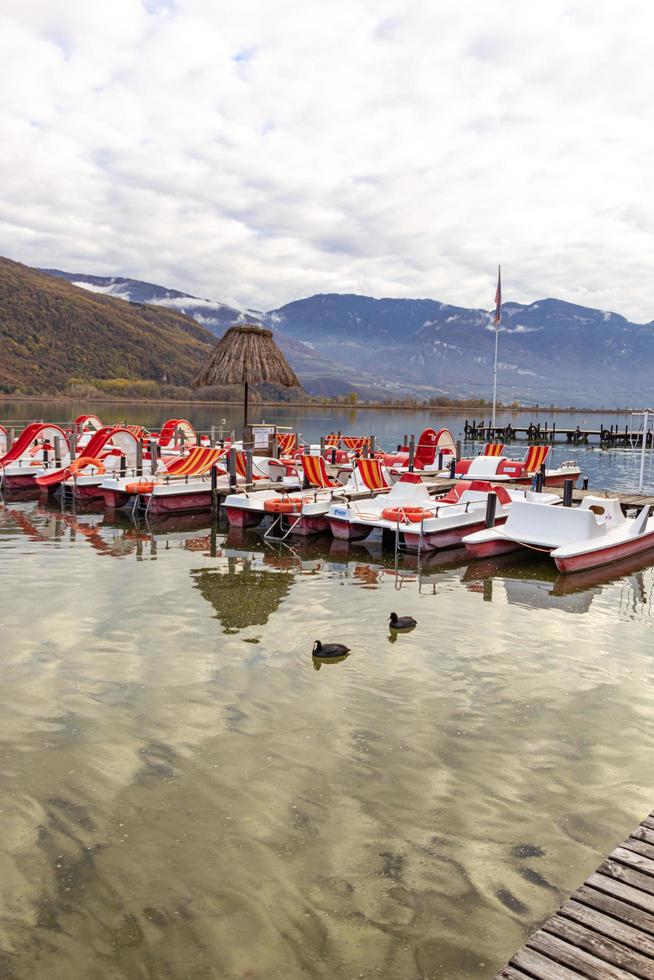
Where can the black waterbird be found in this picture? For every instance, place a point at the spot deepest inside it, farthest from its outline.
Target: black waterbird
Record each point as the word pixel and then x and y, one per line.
pixel 402 622
pixel 329 649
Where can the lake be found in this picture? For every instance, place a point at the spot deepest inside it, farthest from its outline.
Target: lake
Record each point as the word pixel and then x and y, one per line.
pixel 616 469
pixel 184 795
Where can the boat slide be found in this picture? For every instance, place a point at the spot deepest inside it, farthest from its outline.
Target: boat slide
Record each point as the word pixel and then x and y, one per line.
pixel 32 451
pixel 102 453
pixel 430 445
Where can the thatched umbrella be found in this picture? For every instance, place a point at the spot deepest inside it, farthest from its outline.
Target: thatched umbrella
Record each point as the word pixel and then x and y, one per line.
pixel 247 354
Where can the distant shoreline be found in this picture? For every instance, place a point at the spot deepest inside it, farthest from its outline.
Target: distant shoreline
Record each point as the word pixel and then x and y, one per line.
pixel 376 407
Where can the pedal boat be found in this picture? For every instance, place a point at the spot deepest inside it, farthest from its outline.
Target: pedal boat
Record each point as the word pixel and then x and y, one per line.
pixel 182 484
pixel 32 452
pixel 501 469
pixel 109 448
pixel 303 512
pixel 424 522
pixel 593 534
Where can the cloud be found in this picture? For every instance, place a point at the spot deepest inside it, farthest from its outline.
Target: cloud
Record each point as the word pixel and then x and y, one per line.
pixel 112 289
pixel 259 152
pixel 186 303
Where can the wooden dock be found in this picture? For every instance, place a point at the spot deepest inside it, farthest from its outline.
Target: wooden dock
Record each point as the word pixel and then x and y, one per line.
pixel 544 432
pixel 605 931
pixel 628 501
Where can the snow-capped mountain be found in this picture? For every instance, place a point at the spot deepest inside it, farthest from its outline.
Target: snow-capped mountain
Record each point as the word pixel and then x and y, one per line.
pixel 550 351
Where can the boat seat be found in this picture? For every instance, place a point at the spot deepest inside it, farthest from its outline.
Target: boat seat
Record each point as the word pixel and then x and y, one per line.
pixel 605 509
pixel 408 492
pixel 552 526
pixel 484 467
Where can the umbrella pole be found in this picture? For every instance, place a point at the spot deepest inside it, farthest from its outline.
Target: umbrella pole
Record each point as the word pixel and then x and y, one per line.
pixel 245 409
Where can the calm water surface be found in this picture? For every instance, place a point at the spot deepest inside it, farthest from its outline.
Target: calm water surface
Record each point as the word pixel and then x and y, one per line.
pixel 183 795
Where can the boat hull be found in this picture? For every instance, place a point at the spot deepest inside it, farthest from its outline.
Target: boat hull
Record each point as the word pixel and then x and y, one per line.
pixel 553 480
pixel 488 549
pixel 560 480
pixel 348 530
pixel 240 517
pixel 88 491
pixel 447 538
pixel 177 503
pixel 605 556
pixel 115 499
pixel 309 526
pixel 22 481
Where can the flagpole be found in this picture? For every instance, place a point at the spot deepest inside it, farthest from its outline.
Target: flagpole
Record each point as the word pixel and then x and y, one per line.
pixel 497 335
pixel 497 319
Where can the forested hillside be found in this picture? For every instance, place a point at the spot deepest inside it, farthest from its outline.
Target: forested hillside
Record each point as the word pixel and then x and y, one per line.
pixel 51 332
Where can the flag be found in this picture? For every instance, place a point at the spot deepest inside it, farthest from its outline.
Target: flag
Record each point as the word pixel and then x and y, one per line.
pixel 498 301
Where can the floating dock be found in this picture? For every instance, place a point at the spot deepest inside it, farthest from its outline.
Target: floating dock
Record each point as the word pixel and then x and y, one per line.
pixel 605 931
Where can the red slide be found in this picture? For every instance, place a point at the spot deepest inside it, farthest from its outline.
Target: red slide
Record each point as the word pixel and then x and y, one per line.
pixel 29 434
pixel 90 452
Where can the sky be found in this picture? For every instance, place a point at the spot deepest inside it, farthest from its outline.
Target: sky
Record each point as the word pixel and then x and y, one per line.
pixel 258 152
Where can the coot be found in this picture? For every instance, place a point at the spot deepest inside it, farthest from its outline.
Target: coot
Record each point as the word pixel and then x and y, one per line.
pixel 402 622
pixel 329 649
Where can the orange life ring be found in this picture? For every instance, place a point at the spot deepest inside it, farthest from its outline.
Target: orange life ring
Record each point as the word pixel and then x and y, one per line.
pixel 283 505
pixel 142 487
pixel 406 515
pixel 83 461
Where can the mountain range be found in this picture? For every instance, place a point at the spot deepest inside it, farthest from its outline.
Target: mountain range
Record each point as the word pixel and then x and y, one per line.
pixel 550 351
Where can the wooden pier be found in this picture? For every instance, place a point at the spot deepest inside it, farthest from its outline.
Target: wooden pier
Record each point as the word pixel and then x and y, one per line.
pixel 605 931
pixel 544 432
pixel 628 501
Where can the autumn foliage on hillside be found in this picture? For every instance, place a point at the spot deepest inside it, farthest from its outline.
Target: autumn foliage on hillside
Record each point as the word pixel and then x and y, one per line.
pixel 52 332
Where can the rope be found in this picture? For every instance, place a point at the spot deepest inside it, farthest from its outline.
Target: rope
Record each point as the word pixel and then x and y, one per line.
pixel 523 544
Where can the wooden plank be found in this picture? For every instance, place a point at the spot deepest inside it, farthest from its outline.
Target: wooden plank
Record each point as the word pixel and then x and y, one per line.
pixel 609 927
pixel 644 834
pixel 633 860
pixel 542 967
pixel 648 822
pixel 583 936
pixel 622 872
pixel 643 921
pixel 639 847
pixel 621 890
pixel 512 973
pixel 576 959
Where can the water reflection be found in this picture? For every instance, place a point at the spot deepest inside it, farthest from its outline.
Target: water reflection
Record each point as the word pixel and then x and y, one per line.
pixel 241 594
pixel 319 661
pixel 185 798
pixel 524 579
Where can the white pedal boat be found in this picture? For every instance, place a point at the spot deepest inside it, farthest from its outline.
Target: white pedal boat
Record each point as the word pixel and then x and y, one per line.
pixel 501 469
pixel 183 484
pixel 304 512
pixel 595 533
pixel 423 521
